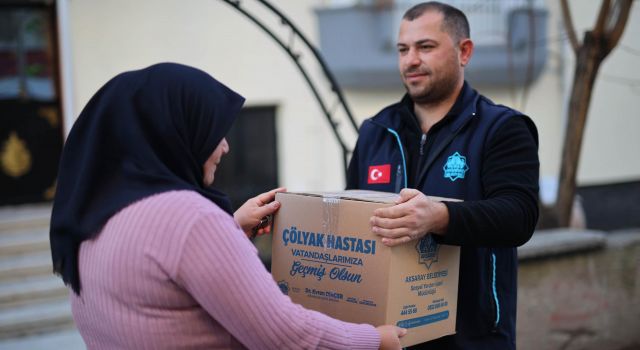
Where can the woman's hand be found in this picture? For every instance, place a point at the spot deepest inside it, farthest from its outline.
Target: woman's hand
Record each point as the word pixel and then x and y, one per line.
pixel 390 337
pixel 252 211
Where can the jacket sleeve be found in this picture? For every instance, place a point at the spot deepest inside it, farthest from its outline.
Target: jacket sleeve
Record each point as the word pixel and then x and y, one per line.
pixel 509 213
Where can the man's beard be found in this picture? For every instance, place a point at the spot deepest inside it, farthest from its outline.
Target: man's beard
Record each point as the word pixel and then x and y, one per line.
pixel 435 92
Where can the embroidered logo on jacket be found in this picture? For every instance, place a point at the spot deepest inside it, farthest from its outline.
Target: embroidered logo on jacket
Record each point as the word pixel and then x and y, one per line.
pixel 427 251
pixel 379 174
pixel 456 167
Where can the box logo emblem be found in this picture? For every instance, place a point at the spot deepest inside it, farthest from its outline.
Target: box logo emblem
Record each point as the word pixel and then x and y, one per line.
pixel 379 174
pixel 427 250
pixel 284 287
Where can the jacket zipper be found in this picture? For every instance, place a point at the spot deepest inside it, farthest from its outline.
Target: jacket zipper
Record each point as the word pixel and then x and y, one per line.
pixel 423 141
pixel 495 302
pixel 399 178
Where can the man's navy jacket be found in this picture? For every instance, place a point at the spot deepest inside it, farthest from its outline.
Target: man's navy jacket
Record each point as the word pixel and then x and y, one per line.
pixel 486 155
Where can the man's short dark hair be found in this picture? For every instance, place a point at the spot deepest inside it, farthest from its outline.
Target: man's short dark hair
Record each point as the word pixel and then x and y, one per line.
pixel 455 22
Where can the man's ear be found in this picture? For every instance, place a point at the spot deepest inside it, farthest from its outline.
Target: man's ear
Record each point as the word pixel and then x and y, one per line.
pixel 465 49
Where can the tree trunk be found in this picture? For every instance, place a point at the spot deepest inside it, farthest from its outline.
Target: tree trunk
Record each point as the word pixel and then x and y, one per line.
pixel 588 60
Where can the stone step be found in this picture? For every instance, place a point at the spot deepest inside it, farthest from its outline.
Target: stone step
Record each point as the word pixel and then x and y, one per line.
pixel 24 240
pixel 24 217
pixel 35 318
pixel 553 242
pixel 27 290
pixel 25 265
pixel 67 339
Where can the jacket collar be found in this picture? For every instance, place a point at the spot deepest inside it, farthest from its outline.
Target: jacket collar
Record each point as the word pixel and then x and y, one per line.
pixel 463 109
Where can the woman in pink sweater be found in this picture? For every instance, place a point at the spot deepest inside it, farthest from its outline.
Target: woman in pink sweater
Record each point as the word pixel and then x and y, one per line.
pixel 152 253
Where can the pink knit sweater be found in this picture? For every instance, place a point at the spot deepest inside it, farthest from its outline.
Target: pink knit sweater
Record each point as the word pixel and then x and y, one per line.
pixel 173 271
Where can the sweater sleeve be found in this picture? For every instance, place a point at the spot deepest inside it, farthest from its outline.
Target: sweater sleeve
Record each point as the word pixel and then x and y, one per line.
pixel 220 268
pixel 509 213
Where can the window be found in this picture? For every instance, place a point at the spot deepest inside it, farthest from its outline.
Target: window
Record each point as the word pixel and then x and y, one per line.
pixel 251 166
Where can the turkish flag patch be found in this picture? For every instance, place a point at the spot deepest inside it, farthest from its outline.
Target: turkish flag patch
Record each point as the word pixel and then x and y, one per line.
pixel 379 174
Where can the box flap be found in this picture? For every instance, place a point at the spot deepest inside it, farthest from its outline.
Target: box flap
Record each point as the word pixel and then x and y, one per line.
pixel 357 195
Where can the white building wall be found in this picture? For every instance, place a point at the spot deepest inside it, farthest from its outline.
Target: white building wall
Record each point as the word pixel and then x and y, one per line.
pixel 108 37
pixel 610 146
pixel 543 101
pixel 611 141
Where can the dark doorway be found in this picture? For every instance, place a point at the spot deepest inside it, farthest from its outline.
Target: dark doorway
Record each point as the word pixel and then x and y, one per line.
pixel 251 167
pixel 31 133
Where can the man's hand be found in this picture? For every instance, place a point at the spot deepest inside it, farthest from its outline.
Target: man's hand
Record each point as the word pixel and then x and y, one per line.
pixel 252 211
pixel 413 216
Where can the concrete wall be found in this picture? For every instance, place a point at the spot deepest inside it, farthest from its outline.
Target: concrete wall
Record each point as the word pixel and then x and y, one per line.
pixel 587 301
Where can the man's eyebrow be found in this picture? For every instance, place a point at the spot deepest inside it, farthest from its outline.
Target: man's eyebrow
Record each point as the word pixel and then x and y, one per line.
pixel 419 42
pixel 426 41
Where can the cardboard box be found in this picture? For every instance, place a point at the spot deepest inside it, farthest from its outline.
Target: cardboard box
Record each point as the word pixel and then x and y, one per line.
pixel 325 257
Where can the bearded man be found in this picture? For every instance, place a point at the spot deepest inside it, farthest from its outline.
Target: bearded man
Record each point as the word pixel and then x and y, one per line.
pixel 444 139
